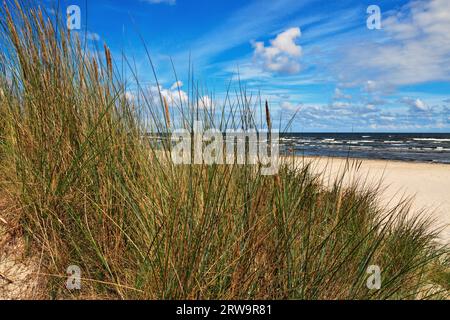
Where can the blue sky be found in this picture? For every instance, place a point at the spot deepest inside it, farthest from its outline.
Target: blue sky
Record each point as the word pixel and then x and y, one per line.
pixel 315 56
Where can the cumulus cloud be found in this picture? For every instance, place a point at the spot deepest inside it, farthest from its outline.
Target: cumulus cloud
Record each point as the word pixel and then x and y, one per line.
pixel 176 96
pixel 416 105
pixel 205 102
pixel 282 55
pixel 177 85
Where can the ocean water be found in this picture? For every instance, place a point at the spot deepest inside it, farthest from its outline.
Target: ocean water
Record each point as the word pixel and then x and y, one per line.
pixel 417 147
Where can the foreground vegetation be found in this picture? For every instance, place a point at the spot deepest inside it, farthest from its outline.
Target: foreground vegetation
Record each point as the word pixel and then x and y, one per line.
pixel 94 193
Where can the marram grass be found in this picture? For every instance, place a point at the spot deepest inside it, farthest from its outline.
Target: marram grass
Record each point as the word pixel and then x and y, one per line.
pixel 95 192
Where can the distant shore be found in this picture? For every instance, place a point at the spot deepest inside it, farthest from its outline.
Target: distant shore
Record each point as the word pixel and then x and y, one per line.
pixel 428 183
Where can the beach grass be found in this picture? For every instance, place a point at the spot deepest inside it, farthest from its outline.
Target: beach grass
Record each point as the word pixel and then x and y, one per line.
pixel 95 192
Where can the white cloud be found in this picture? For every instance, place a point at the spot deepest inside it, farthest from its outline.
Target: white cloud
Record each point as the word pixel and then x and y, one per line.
pixel 285 42
pixel 175 96
pixel 130 96
pixel 339 94
pixel 340 104
pixel 420 105
pixel 177 85
pixel 282 56
pixel 416 105
pixel 419 115
pixel 416 48
pixel 289 106
pixel 205 102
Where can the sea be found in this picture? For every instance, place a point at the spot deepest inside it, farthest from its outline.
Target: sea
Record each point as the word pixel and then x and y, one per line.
pixel 414 147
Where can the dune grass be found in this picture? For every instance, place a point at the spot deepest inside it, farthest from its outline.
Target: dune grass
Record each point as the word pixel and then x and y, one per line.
pixel 95 192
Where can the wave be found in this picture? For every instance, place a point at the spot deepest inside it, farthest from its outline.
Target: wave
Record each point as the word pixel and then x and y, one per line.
pixel 431 139
pixel 360 141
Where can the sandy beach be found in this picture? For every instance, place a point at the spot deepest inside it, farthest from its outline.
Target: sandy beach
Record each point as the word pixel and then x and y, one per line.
pixel 428 183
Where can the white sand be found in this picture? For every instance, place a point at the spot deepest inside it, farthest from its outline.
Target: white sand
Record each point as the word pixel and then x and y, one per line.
pixel 428 183
pixel 18 271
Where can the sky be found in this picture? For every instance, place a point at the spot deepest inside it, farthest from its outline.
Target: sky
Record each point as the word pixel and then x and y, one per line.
pixel 315 57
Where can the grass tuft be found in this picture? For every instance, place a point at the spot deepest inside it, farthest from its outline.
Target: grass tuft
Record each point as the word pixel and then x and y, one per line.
pixel 97 192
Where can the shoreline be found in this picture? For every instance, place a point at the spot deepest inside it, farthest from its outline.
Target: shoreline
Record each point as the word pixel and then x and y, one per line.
pixel 365 159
